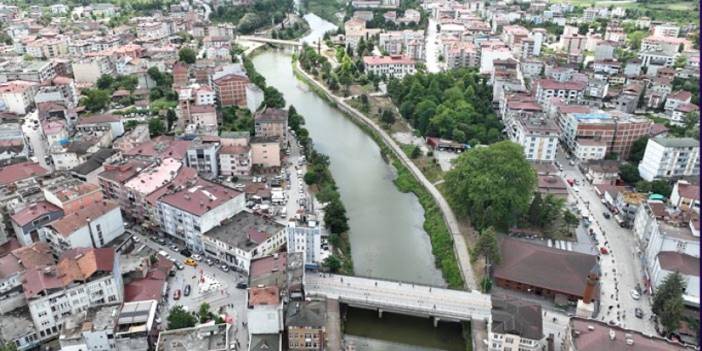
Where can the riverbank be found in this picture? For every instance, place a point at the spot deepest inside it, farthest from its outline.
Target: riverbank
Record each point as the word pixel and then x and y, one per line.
pixel 444 247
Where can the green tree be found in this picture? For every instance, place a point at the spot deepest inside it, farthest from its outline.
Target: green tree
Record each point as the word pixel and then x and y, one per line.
pixel 629 173
pixel 179 318
pixel 387 117
pixel 487 247
pixel 8 346
pixel 105 81
pixel 535 210
pixel 667 301
pixel 311 177
pixel 273 98
pixel 637 150
pixel 493 185
pixel 332 263
pixel 187 55
pixel 204 313
pixel 335 217
pixel 96 99
pixel 416 152
pixel 156 127
pixel 171 118
pixel 570 219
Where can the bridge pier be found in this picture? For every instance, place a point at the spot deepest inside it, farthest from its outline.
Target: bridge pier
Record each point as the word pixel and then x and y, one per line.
pixel 380 313
pixel 436 321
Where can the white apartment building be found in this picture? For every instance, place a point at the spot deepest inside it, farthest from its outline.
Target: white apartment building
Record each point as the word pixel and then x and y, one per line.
pixel 396 66
pixel 491 53
pixel 83 278
pixel 589 149
pixel 407 42
pixel 666 30
pixel 90 330
pixel 305 236
pixel 670 241
pixel 670 158
pixel 242 238
pixel 193 210
pixel 18 96
pixel 152 30
pixel 89 70
pixel 538 137
pixel 572 92
pixel 235 160
pixel 96 225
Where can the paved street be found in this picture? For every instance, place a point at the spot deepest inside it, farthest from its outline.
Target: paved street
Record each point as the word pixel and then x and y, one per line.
pixel 622 262
pixel 432 50
pixel 226 295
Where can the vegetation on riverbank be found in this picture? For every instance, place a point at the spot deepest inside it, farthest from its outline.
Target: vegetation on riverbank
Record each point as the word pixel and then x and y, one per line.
pixel 434 225
pixel 249 18
pixel 326 9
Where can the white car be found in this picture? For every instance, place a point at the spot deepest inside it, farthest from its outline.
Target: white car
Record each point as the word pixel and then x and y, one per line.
pixel 135 238
pixel 635 294
pixel 196 257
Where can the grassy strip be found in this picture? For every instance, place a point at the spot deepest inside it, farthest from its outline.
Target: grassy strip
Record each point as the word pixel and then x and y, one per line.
pixel 467 335
pixel 434 225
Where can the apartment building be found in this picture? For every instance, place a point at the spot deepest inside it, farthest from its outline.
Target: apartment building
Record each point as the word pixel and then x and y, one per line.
pixel 18 96
pixel 538 136
pixel 306 325
pixel 203 156
pixel 666 158
pixel 571 91
pixel 231 89
pixel 614 129
pixel 81 279
pixel 189 211
pixel 243 237
pixel 272 123
pixel 516 325
pixel 37 71
pixel 235 160
pixel 460 54
pixel 405 42
pixel 94 226
pixel 305 236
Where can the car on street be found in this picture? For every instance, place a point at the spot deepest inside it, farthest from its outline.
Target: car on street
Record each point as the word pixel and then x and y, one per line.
pixel 224 268
pixel 209 262
pixel 186 291
pixel 197 257
pixel 606 215
pixel 179 266
pixel 185 252
pixel 241 285
pixel 603 250
pixel 638 313
pixel 174 247
pixel 136 238
pixel 190 262
pixel 635 294
pixel 176 295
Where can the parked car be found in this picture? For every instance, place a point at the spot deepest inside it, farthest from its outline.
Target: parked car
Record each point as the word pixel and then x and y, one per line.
pixel 176 295
pixel 197 257
pixel 224 268
pixel 209 262
pixel 136 238
pixel 603 250
pixel 190 262
pixel 185 252
pixel 179 266
pixel 635 294
pixel 638 313
pixel 186 291
pixel 606 215
pixel 174 247
pixel 241 285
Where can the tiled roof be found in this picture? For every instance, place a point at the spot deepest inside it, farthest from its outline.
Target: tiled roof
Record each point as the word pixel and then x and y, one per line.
pixel 79 219
pixel 542 266
pixel 387 60
pixel 18 171
pixel 678 262
pixel 201 197
pixel 32 212
pixel 511 315
pixel 689 191
pixel 268 295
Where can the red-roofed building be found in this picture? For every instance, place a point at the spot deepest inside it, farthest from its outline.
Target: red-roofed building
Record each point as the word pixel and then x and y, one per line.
pixel 81 279
pixel 12 266
pixel 73 196
pixel 20 171
pixel 265 296
pixel 199 206
pixel 231 89
pixel 152 286
pixel 92 226
pixel 686 196
pixel 18 96
pixel 396 66
pixel 27 221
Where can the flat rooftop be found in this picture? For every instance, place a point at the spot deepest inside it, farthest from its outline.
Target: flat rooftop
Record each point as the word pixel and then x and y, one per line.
pixel 201 338
pixel 245 230
pixel 154 177
pixel 96 318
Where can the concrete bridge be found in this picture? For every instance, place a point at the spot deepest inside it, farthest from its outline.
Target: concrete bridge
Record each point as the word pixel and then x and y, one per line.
pixel 400 297
pixel 292 44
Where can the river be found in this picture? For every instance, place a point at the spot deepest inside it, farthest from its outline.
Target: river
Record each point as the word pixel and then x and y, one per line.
pixel 386 235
